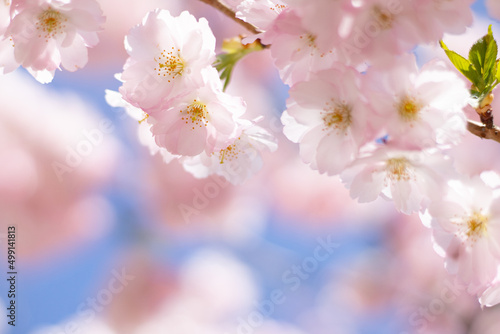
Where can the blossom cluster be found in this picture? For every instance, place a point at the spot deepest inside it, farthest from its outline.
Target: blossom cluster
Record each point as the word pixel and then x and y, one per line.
pixel 360 107
pixel 172 89
pixel 42 35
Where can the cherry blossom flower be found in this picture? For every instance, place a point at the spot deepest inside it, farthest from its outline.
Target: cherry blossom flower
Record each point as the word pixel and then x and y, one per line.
pixel 466 231
pixel 329 119
pixel 321 19
pixel 410 178
pixel 239 160
pixel 419 107
pixel 204 120
pixel 380 29
pixel 50 33
pixel 433 18
pixel 8 62
pixel 177 132
pixel 377 30
pixel 167 58
pixel 294 48
pixel 4 16
pixel 110 48
pixel 328 21
pixel 260 13
pixel 146 138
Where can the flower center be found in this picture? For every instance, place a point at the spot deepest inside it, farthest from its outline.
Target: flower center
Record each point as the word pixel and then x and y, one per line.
pixel 409 108
pixel 383 17
pixel 398 169
pixel 310 40
pixel 278 8
pixel 477 225
pixel 51 23
pixel 170 64
pixel 231 152
pixel 196 113
pixel 309 43
pixel 336 116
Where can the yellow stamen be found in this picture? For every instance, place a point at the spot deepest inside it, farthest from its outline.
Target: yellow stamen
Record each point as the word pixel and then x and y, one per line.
pixel 196 113
pixel 398 169
pixel 145 118
pixel 409 108
pixel 170 64
pixel 50 23
pixel 336 116
pixel 477 225
pixel 278 8
pixel 231 152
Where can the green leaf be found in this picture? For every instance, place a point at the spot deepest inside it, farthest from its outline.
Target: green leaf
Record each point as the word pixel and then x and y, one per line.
pixel 497 70
pixel 224 64
pixel 490 59
pixel 235 50
pixel 482 67
pixel 475 93
pixel 464 66
pixel 477 54
pixel 483 55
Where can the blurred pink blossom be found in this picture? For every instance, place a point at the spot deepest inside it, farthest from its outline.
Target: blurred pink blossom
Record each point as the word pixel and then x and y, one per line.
pixel 50 33
pixel 493 7
pixel 55 159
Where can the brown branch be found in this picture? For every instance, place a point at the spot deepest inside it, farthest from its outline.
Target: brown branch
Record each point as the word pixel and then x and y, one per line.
pixel 486 115
pixel 483 131
pixel 486 129
pixel 231 14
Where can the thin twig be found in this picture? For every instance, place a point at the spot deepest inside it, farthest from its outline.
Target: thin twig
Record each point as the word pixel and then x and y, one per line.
pixel 482 131
pixel 231 14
